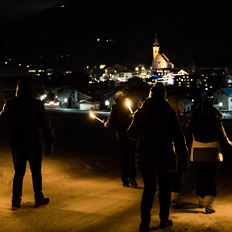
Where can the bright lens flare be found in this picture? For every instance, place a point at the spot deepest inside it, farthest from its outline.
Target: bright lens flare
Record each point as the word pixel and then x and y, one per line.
pixel 128 104
pixel 92 115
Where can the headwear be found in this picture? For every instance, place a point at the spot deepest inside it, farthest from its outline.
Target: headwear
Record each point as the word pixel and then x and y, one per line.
pixel 158 90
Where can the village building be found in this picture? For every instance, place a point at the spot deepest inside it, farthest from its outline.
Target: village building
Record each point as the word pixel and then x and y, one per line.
pixel 223 99
pixel 160 60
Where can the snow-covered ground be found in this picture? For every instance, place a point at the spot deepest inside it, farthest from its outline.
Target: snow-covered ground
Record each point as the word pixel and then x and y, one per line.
pixel 87 203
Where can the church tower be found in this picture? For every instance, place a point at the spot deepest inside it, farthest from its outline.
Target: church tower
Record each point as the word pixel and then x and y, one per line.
pixel 160 61
pixel 156 47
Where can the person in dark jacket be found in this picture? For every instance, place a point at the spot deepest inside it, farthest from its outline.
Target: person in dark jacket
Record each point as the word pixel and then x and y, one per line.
pixel 204 135
pixel 27 121
pixel 160 141
pixel 119 120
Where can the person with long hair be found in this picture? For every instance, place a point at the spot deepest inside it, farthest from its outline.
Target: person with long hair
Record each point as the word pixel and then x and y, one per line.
pixel 204 135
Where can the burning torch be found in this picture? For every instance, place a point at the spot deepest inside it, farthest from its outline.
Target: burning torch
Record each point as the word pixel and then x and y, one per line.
pixel 128 105
pixel 92 115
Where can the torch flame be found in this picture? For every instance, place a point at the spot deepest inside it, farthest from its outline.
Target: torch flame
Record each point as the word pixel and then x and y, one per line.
pixel 128 104
pixel 92 115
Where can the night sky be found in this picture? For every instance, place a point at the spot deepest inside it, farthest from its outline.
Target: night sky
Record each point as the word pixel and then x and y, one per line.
pixel 13 10
pixel 188 31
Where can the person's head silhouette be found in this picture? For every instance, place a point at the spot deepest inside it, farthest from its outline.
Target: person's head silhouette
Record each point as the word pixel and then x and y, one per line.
pixel 24 88
pixel 158 91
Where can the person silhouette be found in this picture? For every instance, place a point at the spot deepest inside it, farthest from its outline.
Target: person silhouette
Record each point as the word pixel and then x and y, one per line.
pixel 159 144
pixel 204 136
pixel 119 120
pixel 27 120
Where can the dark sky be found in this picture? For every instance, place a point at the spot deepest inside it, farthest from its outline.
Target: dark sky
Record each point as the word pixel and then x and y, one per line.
pixel 12 10
pixel 188 31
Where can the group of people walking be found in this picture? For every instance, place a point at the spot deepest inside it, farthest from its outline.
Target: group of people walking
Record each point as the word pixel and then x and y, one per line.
pixel 165 143
pixel 154 139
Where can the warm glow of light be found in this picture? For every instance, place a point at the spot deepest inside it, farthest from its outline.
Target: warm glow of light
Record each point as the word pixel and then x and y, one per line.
pixel 128 104
pixel 92 115
pixel 102 66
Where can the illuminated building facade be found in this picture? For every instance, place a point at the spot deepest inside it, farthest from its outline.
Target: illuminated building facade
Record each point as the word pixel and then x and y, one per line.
pixel 160 61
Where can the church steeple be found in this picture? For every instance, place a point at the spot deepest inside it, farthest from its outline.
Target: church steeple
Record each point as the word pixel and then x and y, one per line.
pixel 160 61
pixel 156 42
pixel 156 46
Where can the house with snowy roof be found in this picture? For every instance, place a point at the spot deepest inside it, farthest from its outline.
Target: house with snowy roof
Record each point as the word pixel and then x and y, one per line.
pixel 223 98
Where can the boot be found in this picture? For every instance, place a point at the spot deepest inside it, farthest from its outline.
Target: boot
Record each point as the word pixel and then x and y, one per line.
pixel 41 201
pixel 144 227
pixel 201 202
pixel 16 203
pixel 175 200
pixel 167 223
pixel 133 184
pixel 209 205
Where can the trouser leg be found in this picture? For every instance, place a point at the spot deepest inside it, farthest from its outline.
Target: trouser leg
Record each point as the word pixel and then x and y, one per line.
pixel 125 162
pixel 206 174
pixel 150 187
pixel 164 183
pixel 211 179
pixel 132 167
pixel 20 169
pixel 125 169
pixel 176 181
pixel 35 166
pixel 200 180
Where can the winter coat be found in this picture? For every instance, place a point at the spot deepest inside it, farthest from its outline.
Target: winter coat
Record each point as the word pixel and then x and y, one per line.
pixel 159 138
pixel 205 134
pixel 27 121
pixel 119 120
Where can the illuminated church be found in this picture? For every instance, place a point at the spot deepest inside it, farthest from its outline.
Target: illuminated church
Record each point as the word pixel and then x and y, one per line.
pixel 160 61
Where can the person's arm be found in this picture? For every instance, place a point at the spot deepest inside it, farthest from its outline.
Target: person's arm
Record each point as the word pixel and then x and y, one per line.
pixel 133 128
pixel 180 145
pixel 224 141
pixel 111 121
pixel 4 112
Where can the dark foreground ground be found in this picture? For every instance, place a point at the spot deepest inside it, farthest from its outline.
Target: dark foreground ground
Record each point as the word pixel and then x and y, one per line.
pixel 82 178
